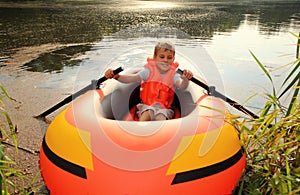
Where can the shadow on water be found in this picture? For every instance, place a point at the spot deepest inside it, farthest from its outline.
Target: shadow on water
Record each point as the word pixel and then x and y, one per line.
pixel 55 61
pixel 42 22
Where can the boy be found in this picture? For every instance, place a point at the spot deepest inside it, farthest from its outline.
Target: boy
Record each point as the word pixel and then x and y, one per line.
pixel 159 80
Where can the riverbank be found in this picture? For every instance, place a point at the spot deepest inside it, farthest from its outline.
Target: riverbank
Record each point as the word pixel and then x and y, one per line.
pixel 28 101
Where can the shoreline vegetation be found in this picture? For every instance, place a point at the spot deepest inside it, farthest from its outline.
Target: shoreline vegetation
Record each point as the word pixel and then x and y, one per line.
pixel 272 141
pixel 12 179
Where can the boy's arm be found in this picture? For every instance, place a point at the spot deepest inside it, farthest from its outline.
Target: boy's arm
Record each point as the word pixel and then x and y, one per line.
pixel 185 79
pixel 129 78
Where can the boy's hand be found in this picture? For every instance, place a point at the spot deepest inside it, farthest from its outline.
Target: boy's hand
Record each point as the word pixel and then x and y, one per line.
pixel 187 74
pixel 109 73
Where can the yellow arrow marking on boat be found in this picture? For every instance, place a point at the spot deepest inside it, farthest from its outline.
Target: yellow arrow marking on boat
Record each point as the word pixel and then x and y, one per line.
pixel 69 142
pixel 193 154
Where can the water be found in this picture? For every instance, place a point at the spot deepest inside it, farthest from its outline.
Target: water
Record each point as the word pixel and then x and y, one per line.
pixel 215 37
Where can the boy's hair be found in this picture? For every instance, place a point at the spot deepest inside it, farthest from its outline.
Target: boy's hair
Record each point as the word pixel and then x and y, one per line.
pixel 167 45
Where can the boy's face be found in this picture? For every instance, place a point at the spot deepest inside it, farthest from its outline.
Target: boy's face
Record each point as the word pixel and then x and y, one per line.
pixel 164 59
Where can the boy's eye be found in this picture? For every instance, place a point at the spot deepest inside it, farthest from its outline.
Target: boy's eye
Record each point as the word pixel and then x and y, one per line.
pixel 168 57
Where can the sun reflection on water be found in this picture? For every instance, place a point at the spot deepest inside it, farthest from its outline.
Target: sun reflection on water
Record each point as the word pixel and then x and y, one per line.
pixel 154 5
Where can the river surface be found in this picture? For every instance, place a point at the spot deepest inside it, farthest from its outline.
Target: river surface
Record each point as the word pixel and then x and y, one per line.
pixel 213 38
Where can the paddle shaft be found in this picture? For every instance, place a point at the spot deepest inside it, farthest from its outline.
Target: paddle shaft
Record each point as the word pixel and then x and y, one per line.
pixel 78 93
pixel 213 92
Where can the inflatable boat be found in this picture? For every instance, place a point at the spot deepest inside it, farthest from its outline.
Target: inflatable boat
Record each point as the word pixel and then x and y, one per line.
pixel 96 146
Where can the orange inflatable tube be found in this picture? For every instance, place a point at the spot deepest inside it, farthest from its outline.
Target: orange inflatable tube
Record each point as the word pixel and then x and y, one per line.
pixel 90 149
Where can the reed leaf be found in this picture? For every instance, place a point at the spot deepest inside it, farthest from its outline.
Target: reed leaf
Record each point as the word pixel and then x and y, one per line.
pixel 12 130
pixel 297 62
pixel 293 102
pixel 266 109
pixel 4 92
pixel 298 44
pixel 291 84
pixel 265 71
pixel 298 37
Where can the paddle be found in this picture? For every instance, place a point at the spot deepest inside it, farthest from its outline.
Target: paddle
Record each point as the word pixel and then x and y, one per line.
pixel 211 91
pixel 68 99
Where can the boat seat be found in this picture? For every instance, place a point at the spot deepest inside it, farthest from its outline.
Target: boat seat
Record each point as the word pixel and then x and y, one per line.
pixel 132 115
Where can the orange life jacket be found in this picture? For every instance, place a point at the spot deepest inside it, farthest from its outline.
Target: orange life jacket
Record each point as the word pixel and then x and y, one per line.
pixel 158 90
